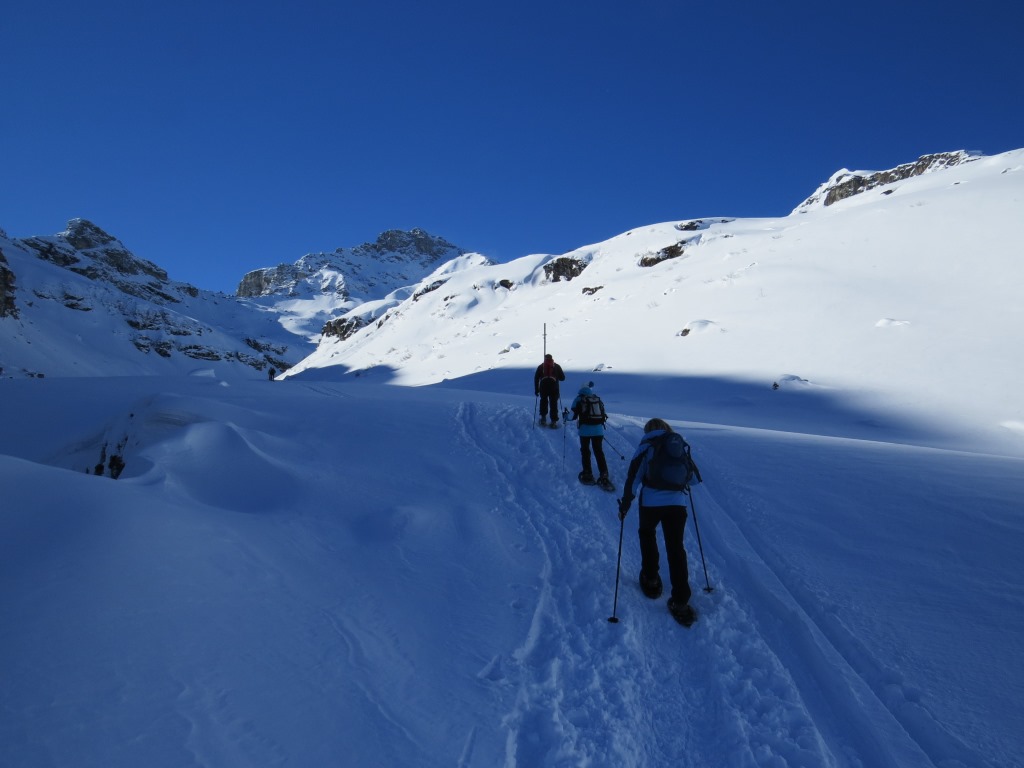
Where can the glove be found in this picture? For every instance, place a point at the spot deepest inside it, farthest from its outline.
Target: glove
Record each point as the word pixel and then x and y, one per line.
pixel 624 503
pixel 565 414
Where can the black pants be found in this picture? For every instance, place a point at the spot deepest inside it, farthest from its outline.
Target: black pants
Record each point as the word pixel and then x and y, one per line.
pixel 673 522
pixel 597 443
pixel 547 398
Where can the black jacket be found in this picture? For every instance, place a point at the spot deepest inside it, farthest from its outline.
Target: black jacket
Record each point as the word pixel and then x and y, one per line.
pixel 547 385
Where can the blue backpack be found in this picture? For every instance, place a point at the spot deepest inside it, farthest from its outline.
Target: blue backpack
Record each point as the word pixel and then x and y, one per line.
pixel 670 467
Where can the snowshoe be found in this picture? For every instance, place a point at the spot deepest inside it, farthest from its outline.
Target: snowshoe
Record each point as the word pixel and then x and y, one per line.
pixel 651 587
pixel 682 612
pixel 605 484
pixel 587 478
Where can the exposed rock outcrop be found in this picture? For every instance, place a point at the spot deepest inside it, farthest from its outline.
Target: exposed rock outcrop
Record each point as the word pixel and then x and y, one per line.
pixel 564 268
pixel 845 184
pixel 344 327
pixel 8 308
pixel 668 252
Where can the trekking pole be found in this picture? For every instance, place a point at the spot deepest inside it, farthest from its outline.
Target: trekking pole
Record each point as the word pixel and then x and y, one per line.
pixel 536 409
pixel 620 455
pixel 700 546
pixel 565 429
pixel 618 568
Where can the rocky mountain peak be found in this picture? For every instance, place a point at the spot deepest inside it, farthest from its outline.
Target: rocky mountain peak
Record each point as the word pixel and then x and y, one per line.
pixel 82 235
pixel 122 313
pixel 416 242
pixel 86 249
pixel 395 259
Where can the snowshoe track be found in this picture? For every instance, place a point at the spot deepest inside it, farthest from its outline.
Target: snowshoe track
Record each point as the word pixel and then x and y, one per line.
pixel 655 689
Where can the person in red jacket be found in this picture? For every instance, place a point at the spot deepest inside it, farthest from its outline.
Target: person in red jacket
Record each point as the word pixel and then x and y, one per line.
pixel 545 385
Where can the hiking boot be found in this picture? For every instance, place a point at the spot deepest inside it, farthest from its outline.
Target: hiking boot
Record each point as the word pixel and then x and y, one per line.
pixel 651 587
pixel 543 419
pixel 682 612
pixel 587 478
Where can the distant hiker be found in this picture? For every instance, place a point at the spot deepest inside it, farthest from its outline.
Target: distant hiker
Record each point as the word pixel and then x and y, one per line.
pixel 662 479
pixel 273 373
pixel 589 414
pixel 545 384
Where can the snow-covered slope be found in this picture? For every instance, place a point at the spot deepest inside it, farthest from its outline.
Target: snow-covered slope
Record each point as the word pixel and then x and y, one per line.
pixel 318 573
pixel 905 297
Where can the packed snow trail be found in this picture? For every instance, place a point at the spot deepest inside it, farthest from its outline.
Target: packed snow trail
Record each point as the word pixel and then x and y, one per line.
pixel 642 692
pixel 792 684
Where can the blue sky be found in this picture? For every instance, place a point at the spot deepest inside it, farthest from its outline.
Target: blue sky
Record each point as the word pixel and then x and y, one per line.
pixel 214 138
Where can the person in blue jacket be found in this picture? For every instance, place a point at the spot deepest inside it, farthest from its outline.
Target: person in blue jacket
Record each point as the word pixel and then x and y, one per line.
pixel 591 430
pixel 667 507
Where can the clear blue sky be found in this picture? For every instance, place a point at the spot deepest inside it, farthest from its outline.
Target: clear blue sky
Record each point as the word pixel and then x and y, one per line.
pixel 217 137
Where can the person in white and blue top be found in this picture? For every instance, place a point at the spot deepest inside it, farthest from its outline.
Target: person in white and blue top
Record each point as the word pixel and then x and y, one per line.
pixel 667 507
pixel 591 431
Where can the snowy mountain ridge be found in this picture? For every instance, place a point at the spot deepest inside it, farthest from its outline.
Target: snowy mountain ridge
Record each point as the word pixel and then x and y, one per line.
pixel 716 297
pixel 79 303
pixel 319 287
pixel 396 259
pixel 152 324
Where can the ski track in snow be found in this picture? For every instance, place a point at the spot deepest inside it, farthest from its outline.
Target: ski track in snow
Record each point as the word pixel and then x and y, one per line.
pixel 644 691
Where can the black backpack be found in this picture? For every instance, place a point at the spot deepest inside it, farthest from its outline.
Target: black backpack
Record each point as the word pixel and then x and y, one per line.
pixel 670 468
pixel 591 410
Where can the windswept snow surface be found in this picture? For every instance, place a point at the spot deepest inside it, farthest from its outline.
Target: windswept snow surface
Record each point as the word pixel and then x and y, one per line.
pixel 314 573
